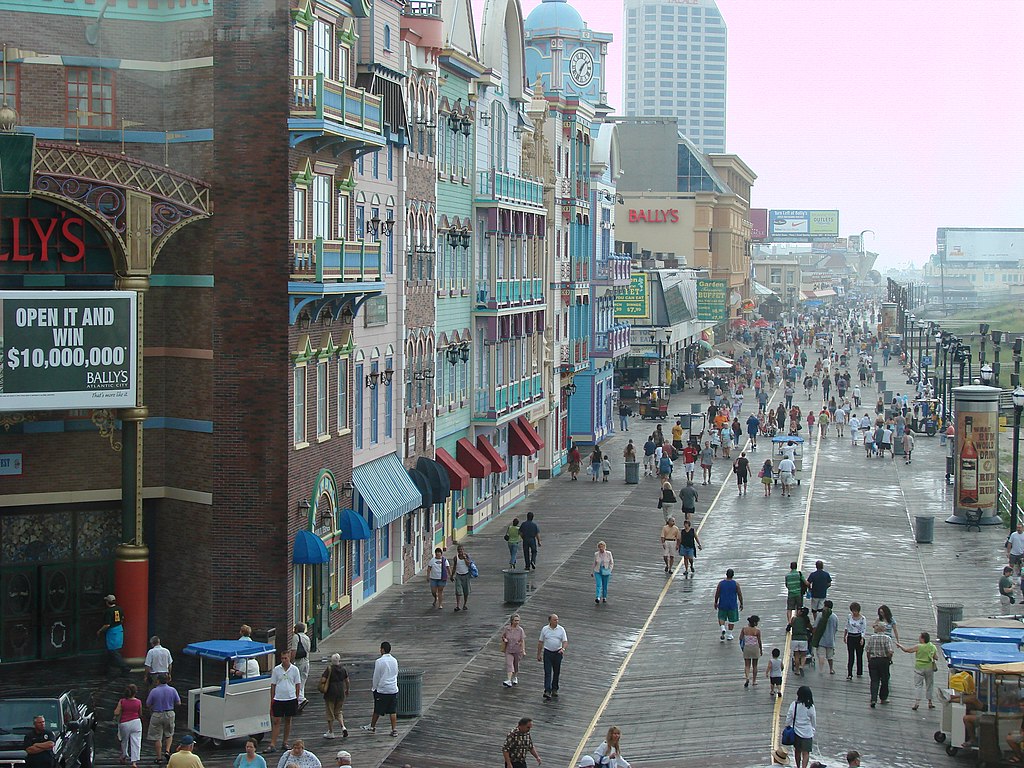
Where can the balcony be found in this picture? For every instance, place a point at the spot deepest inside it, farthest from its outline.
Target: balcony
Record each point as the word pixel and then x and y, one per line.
pixel 507 399
pixel 423 18
pixel 335 261
pixel 332 113
pixel 612 343
pixel 575 356
pixel 615 271
pixel 574 273
pixel 509 293
pixel 500 188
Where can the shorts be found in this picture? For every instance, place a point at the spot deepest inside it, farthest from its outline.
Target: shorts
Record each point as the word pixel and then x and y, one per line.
pixel 285 708
pixel 817 603
pixel 798 646
pixel 689 467
pixel 775 680
pixel 334 708
pixel 731 615
pixel 793 602
pixel 830 653
pixel 385 703
pixel 437 583
pixel 886 447
pixel 752 651
pixel 786 478
pixel 803 745
pixel 462 584
pixel 668 548
pixel 1016 559
pixel 688 511
pixel 689 552
pixel 161 726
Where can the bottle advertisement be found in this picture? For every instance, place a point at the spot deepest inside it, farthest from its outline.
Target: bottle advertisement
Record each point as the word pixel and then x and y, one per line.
pixel 976 460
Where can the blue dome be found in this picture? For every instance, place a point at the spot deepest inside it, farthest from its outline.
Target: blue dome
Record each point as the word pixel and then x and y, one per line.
pixel 554 13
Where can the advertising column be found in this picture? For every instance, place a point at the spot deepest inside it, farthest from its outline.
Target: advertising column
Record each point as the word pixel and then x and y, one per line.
pixel 976 458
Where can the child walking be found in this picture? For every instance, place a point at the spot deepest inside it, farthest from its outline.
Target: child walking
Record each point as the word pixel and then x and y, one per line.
pixel 606 468
pixel 774 673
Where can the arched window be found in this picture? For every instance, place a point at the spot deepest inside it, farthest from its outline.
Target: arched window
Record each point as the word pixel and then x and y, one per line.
pixel 387 37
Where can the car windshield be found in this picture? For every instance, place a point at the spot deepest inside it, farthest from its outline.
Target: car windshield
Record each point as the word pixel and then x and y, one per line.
pixel 17 716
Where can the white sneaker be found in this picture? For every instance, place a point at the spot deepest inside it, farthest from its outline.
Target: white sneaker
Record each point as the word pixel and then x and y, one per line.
pixel 723 633
pixel 729 636
pixel 515 681
pixel 507 683
pixel 330 735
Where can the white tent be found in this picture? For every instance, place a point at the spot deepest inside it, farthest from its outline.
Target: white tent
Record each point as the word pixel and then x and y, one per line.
pixel 713 363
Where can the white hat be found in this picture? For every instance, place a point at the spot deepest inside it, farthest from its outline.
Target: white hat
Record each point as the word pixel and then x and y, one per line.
pixel 586 762
pixel 344 753
pixel 335 658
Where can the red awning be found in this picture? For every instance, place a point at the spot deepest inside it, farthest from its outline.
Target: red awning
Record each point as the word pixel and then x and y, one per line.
pixel 488 450
pixel 531 432
pixel 459 477
pixel 471 459
pixel 519 443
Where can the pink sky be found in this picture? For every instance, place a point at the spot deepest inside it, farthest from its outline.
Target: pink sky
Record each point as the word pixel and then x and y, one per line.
pixel 905 115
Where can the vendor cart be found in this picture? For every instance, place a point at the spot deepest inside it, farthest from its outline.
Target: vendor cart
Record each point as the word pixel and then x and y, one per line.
pixel 927 421
pixel 654 403
pixel 780 446
pixel 235 707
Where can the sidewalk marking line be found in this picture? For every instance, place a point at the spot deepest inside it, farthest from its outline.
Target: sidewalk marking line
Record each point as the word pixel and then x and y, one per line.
pixel 654 611
pixel 776 732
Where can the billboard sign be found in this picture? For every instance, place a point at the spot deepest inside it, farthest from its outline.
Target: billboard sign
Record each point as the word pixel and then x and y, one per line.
pixel 62 350
pixel 976 455
pixel 802 226
pixel 758 223
pixel 980 245
pixel 634 303
pixel 712 300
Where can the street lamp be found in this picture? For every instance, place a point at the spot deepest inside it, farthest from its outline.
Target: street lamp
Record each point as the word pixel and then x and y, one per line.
pixel 986 374
pixel 661 337
pixel 1018 406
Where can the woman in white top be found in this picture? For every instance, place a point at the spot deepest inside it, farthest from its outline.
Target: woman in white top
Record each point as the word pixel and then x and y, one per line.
pixel 609 754
pixel 804 720
pixel 853 636
pixel 603 565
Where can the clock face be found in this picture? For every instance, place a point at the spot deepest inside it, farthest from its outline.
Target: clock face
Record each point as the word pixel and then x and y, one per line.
pixel 581 67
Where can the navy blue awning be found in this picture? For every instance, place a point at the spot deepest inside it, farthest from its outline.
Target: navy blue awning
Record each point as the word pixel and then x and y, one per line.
pixel 353 527
pixel 309 549
pixel 420 481
pixel 437 476
pixel 385 487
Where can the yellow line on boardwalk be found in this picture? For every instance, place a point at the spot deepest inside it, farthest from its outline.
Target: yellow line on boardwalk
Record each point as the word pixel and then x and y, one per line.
pixel 776 731
pixel 650 618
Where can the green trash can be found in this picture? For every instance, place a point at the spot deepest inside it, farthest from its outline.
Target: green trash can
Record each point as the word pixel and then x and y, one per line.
pixel 948 615
pixel 410 693
pixel 632 472
pixel 515 587
pixel 924 529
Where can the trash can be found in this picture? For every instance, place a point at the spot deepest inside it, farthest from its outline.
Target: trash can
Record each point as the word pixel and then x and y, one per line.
pixel 410 693
pixel 684 420
pixel 515 587
pixel 924 529
pixel 948 614
pixel 632 472
pixel 265 636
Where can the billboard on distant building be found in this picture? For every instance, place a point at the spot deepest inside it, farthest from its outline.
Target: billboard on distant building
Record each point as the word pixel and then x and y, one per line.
pixel 634 303
pixel 758 223
pixel 980 245
pixel 802 225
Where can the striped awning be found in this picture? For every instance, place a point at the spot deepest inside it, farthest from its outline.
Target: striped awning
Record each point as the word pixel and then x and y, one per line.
pixel 385 488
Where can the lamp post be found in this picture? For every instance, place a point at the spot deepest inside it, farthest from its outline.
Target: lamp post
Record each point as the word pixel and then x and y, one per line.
pixel 997 340
pixel 1018 406
pixel 986 375
pixel 661 337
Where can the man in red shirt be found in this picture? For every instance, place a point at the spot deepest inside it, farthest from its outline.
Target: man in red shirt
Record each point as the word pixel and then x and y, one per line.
pixel 690 460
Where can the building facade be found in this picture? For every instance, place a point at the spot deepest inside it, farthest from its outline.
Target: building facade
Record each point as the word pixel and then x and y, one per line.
pixel 675 65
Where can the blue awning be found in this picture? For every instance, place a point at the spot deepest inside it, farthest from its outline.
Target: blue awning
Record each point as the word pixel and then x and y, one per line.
pixel 386 489
pixel 437 476
pixel 420 481
pixel 353 527
pixel 224 650
pixel 309 549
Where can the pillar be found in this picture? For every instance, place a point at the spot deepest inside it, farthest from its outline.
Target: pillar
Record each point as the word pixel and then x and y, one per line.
pixel 976 458
pixel 131 565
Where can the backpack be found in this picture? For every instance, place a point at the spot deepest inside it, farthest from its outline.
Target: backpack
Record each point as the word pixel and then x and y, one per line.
pixel 301 651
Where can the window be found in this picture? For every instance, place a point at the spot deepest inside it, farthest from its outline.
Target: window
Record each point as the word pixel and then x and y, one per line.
pixel 388 396
pixel 343 217
pixel 390 245
pixel 343 63
pixel 376 164
pixel 90 94
pixel 10 85
pixel 323 48
pixel 499 137
pixel 357 421
pixel 360 222
pixel 338 577
pixel 384 541
pixel 299 214
pixel 321 399
pixel 342 394
pixel 375 216
pixel 374 407
pixel 387 37
pixel 391 163
pixel 375 311
pixel 299 404
pixel 298 52
pixel 322 206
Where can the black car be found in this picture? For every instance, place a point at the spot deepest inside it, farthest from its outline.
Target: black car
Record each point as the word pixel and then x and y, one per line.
pixel 72 725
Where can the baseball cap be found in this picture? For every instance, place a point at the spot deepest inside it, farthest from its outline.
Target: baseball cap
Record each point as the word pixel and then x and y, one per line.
pixel 586 762
pixel 188 740
pixel 110 599
pixel 343 753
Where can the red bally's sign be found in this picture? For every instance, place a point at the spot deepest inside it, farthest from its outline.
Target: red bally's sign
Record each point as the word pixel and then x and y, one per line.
pixel 654 215
pixel 29 238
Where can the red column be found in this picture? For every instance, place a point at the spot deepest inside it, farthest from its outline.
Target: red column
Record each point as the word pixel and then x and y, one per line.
pixel 131 586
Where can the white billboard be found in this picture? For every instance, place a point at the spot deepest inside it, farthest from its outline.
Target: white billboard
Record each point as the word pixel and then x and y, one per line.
pixel 980 245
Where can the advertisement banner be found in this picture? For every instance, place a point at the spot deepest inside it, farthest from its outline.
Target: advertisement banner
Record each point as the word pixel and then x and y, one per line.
pixel 976 457
pixel 975 245
pixel 802 225
pixel 712 300
pixel 758 223
pixel 634 303
pixel 63 350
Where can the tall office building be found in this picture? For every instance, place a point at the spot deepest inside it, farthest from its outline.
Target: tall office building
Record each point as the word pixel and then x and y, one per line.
pixel 675 66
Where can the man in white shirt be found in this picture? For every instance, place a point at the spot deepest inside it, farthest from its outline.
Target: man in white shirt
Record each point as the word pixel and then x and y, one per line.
pixel 284 699
pixel 551 649
pixel 1015 548
pixel 840 421
pixel 158 660
pixel 854 429
pixel 385 689
pixel 786 469
pixel 300 645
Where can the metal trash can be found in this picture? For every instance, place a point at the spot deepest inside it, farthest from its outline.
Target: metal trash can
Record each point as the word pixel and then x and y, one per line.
pixel 515 587
pixel 265 636
pixel 632 472
pixel 948 614
pixel 410 693
pixel 924 529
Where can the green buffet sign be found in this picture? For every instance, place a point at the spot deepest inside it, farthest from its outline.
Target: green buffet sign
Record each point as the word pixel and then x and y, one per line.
pixel 634 303
pixel 712 300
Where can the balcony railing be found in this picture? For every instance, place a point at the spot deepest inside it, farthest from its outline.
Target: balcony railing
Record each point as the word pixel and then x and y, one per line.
pixel 500 187
pixel 318 98
pixel 613 342
pixel 501 293
pixel 422 8
pixel 335 260
pixel 507 397
pixel 615 270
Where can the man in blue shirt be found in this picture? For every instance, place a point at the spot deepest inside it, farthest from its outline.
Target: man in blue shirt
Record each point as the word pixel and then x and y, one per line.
pixel 752 426
pixel 728 603
pixel 818 582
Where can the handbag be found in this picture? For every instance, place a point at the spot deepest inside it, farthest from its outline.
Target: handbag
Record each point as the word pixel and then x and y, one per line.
pixel 325 681
pixel 789 732
pixel 473 570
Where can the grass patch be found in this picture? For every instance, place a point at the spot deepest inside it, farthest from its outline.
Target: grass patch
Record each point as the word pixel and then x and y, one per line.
pixel 1007 316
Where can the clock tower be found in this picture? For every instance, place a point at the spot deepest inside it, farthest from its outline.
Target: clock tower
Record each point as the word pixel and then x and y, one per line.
pixel 566 55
